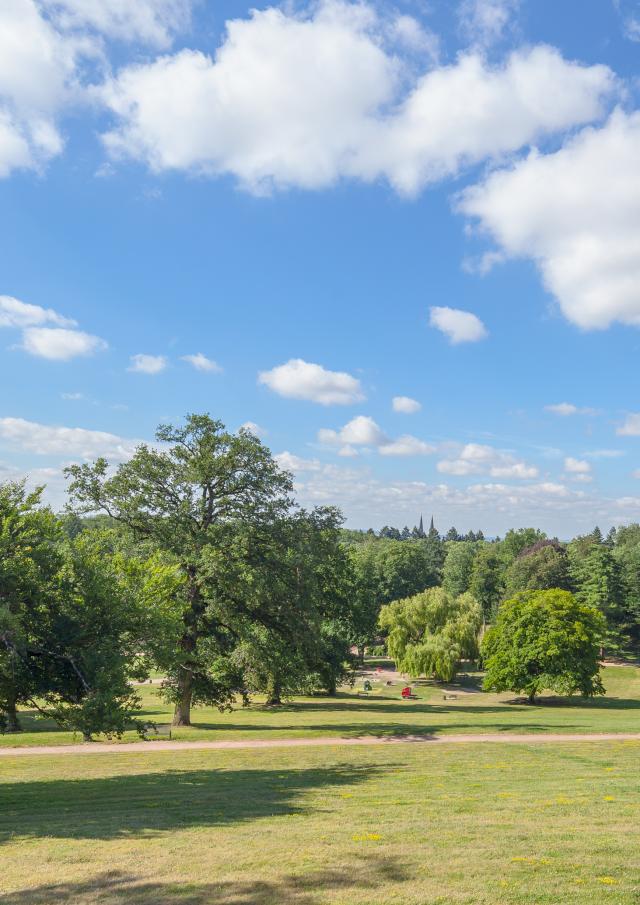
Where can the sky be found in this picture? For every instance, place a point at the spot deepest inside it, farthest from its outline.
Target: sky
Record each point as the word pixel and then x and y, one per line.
pixel 400 242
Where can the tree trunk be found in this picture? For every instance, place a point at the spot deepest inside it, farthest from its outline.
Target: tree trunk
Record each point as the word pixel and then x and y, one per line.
pixel 13 723
pixel 532 697
pixel 182 714
pixel 274 693
pixel 361 649
pixel 86 737
pixel 188 643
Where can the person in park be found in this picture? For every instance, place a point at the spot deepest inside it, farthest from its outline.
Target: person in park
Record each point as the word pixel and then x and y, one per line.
pixel 545 640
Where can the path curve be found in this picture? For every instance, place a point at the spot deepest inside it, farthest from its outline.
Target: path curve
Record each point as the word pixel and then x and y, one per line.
pixel 319 742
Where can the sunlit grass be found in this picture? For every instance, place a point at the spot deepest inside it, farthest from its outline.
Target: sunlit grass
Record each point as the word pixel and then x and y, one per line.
pixel 385 713
pixel 369 826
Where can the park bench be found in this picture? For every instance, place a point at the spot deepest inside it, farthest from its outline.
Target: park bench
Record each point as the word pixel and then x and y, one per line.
pixel 407 693
pixel 450 697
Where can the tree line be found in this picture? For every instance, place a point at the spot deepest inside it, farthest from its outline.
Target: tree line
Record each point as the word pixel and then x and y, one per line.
pixel 193 561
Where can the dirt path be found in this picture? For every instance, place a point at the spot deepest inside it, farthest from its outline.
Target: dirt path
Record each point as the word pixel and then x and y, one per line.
pixel 318 742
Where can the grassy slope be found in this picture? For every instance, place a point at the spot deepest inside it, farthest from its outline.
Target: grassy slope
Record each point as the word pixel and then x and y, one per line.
pixel 407 825
pixel 384 713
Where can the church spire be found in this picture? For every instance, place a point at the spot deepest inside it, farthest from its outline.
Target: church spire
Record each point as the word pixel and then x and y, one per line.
pixel 432 529
pixel 421 527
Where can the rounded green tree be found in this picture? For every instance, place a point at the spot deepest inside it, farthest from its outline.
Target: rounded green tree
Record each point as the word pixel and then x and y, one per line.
pixel 544 640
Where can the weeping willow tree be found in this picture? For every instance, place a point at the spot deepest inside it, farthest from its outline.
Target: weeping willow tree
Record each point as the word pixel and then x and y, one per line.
pixel 430 633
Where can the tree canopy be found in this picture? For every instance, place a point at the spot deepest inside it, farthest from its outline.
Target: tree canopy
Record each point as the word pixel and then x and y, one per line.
pixel 429 633
pixel 544 640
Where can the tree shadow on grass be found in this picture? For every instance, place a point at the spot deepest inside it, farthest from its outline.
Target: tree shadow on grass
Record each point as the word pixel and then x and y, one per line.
pixel 117 888
pixel 147 804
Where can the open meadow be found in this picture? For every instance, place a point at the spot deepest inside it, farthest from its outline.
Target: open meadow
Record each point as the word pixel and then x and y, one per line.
pixel 465 709
pixel 463 825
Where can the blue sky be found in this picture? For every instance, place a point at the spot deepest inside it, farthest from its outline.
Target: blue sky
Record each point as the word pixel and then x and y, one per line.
pixel 332 206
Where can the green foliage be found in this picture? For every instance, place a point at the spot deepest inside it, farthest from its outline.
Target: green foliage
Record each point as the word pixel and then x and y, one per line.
pixel 595 573
pixel 518 539
pixel 537 568
pixel 544 640
pixel 207 498
pixel 30 566
pixel 430 633
pixel 487 582
pixel 387 570
pixel 626 551
pixel 458 564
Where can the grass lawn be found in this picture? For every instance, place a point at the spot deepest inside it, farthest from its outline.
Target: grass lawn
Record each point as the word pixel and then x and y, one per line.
pixel 384 713
pixel 368 826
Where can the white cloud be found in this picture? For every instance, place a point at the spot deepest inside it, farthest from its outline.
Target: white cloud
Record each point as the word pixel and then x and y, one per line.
pixel 485 22
pixel 406 405
pixel 576 466
pixel 37 79
pixel 308 99
pixel 362 431
pixel 565 409
pixel 459 326
pixel 151 21
pixel 73 397
pixel 14 313
pixel 254 429
pixel 631 426
pixel 298 379
pixel 406 445
pixel 290 462
pixel 201 363
pixel 478 458
pixel 147 364
pixel 59 343
pixel 495 506
pixel 576 213
pixel 44 439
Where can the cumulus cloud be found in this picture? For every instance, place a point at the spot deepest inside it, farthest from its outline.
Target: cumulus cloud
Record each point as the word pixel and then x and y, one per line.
pixel 565 409
pixel 576 213
pixel 59 343
pixel 44 439
pixel 362 431
pixel 150 21
pixel 577 469
pixel 299 379
pixel 478 458
pixel 631 426
pixel 576 466
pixel 201 363
pixel 406 445
pixel 459 326
pixel 496 505
pixel 290 462
pixel 147 364
pixel 405 405
pixel 37 79
pixel 304 100
pixel 485 22
pixel 14 313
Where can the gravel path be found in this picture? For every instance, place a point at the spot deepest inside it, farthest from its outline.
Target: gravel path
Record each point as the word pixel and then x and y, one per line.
pixel 319 742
